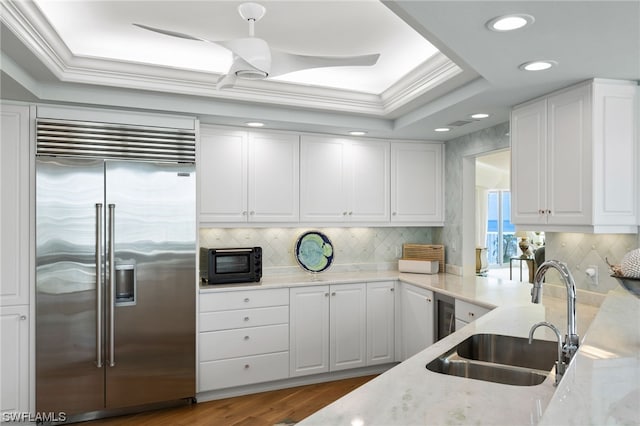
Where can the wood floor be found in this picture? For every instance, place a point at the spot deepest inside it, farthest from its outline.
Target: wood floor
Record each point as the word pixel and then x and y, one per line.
pixel 261 409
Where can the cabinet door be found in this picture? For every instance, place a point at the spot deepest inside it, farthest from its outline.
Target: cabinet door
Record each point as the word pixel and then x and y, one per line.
pixel 569 153
pixel 14 205
pixel 222 172
pixel 323 190
pixel 369 181
pixel 417 319
pixel 348 324
pixel 528 163
pixel 14 359
pixel 380 322
pixel 273 177
pixel 417 194
pixel 309 330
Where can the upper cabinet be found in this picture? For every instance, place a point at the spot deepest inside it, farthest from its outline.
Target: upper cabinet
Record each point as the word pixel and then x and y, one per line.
pixel 417 190
pixel 343 180
pixel 574 160
pixel 248 176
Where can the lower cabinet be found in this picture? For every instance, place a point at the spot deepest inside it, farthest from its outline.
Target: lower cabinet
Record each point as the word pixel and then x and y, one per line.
pixel 417 317
pixel 243 338
pixel 327 328
pixel 380 322
pixel 14 359
pixel 467 312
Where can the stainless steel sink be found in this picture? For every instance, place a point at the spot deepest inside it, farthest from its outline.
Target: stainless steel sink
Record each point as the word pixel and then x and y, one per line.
pixel 499 359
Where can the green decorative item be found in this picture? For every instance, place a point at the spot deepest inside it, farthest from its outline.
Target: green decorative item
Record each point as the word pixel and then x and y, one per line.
pixel 314 251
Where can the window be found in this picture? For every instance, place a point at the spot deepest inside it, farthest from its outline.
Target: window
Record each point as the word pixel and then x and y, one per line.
pixel 501 241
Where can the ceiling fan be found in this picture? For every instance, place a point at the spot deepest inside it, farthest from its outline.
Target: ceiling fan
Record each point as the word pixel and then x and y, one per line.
pixel 253 59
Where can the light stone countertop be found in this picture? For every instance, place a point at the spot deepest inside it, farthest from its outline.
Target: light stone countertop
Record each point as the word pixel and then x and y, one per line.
pixel 601 386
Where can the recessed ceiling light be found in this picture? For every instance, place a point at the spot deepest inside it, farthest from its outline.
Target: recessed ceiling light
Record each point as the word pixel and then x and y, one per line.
pixel 442 129
pixel 357 133
pixel 538 65
pixel 480 115
pixel 254 124
pixel 510 22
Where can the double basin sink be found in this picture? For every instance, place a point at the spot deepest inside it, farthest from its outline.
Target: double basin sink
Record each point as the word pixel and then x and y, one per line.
pixel 499 359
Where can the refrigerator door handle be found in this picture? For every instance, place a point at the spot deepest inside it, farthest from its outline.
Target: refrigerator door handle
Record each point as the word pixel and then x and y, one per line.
pixel 99 290
pixel 112 289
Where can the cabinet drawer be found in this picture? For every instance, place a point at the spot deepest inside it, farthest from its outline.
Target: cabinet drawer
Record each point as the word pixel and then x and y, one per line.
pixel 226 320
pixel 469 312
pixel 242 299
pixel 216 345
pixel 243 371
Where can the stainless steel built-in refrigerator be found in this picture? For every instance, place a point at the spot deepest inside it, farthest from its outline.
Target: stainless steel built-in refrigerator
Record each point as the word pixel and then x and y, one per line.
pixel 115 267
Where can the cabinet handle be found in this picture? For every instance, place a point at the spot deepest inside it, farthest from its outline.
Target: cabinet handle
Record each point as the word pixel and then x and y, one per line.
pixel 246 318
pixel 246 300
pixel 23 317
pixel 246 337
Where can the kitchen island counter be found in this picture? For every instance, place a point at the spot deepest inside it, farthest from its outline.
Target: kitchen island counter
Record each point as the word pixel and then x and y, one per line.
pixel 601 386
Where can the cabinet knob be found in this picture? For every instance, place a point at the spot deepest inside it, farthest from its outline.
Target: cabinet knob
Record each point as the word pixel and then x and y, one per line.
pixel 394 213
pixel 391 289
pixel 252 212
pixel 428 299
pixel 244 213
pixel 333 294
pixel 246 318
pixel 471 314
pixel 548 211
pixel 350 213
pixel 246 300
pixel 23 317
pixel 246 337
pixel 344 213
pixel 246 366
pixel 326 295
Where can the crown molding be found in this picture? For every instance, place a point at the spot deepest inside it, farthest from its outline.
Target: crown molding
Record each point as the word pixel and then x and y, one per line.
pixel 27 22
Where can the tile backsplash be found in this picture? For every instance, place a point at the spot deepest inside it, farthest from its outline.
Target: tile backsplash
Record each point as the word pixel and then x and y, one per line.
pixel 354 248
pixel 580 251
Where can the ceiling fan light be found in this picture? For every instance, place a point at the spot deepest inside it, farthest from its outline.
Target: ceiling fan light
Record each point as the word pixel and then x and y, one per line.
pixel 251 74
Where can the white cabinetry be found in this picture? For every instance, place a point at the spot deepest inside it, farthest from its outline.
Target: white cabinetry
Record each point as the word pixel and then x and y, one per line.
pixel 417 184
pixel 343 180
pixel 248 176
pixel 328 328
pixel 573 159
pixel 243 338
pixel 416 319
pixel 467 312
pixel 380 322
pixel 14 258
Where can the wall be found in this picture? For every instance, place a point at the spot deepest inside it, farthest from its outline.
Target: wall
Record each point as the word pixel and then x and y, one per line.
pixel 456 150
pixel 354 248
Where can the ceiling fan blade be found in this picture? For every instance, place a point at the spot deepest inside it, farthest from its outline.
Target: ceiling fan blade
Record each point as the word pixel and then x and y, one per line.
pixel 254 51
pixel 226 81
pixel 172 33
pixel 284 62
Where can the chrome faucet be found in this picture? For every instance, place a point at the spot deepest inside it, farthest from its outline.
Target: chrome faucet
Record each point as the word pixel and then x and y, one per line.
pixel 560 363
pixel 572 340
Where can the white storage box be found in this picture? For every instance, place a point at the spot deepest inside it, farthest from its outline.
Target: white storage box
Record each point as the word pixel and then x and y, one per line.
pixel 418 266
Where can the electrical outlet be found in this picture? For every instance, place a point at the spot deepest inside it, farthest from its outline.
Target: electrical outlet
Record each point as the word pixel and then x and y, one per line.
pixel 592 274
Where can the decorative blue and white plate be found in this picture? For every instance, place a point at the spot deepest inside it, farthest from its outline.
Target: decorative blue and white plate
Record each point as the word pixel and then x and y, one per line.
pixel 314 251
